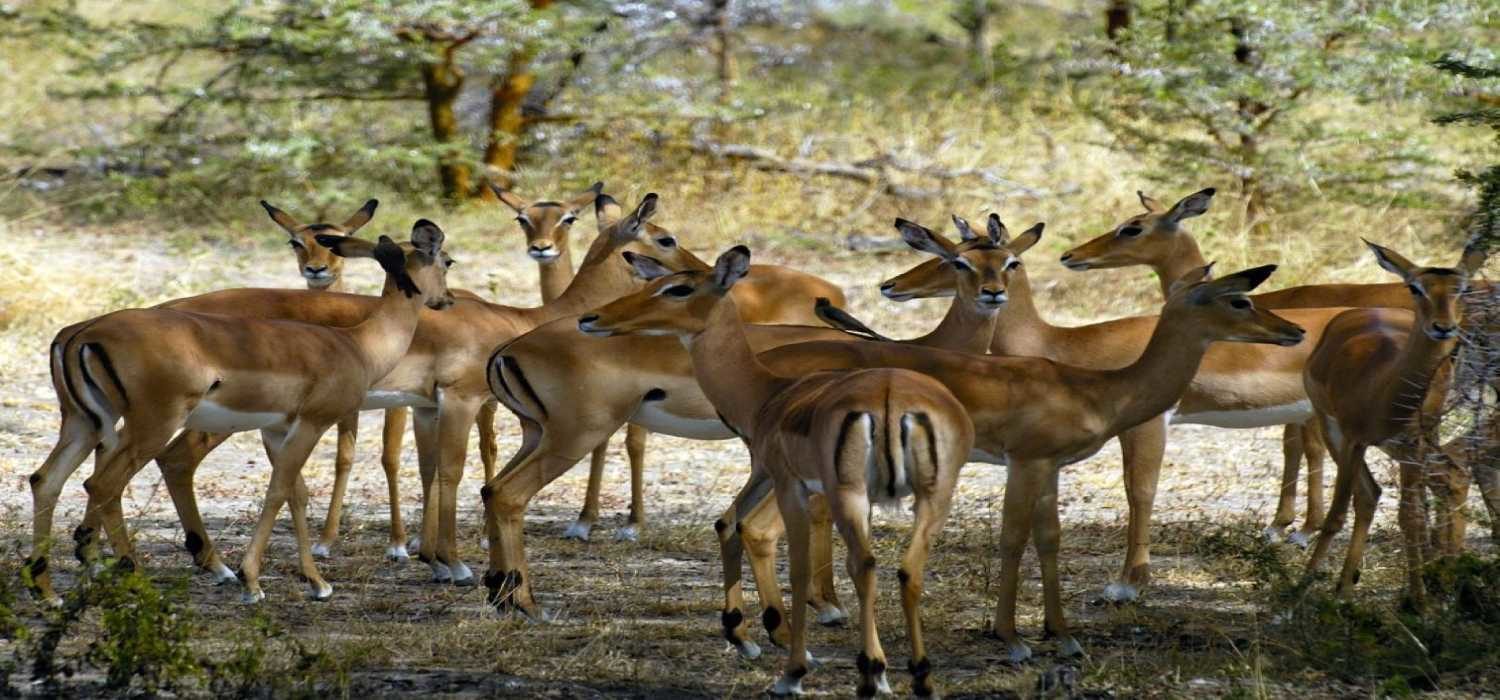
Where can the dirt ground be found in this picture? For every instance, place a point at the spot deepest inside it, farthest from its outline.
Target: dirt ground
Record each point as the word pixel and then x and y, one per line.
pixel 641 619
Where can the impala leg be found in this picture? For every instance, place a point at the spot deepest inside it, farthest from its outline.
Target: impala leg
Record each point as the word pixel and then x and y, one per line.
pixel 391 435
pixel 1047 529
pixel 76 439
pixel 760 529
pixel 1487 477
pixel 1291 464
pixel 1315 450
pixel 141 441
pixel 288 454
pixel 931 513
pixel 731 554
pixel 825 598
pixel 343 463
pixel 1338 509
pixel 635 451
pixel 852 513
pixel 1366 495
pixel 489 445
pixel 1451 486
pixel 1023 488
pixel 454 422
pixel 1412 518
pixel 791 501
pixel 1143 448
pixel 278 491
pixel 589 516
pixel 429 459
pixel 178 463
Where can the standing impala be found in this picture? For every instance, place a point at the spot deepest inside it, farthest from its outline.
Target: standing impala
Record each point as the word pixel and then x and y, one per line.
pixel 570 392
pixel 856 438
pixel 1373 378
pixel 1156 239
pixel 164 370
pixel 548 227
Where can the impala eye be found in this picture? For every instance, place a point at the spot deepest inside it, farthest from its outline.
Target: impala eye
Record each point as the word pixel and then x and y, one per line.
pixel 1013 264
pixel 677 290
pixel 1130 231
pixel 296 244
pixel 1240 303
pixel 449 262
pixel 667 242
pixel 568 220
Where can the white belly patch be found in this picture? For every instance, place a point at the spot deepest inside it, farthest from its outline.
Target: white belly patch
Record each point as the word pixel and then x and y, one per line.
pixel 210 417
pixel 1297 412
pixel 377 400
pixel 651 417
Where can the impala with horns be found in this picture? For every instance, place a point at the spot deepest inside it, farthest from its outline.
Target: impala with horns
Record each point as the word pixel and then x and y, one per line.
pixel 1376 379
pixel 855 438
pixel 570 392
pixel 158 371
pixel 548 226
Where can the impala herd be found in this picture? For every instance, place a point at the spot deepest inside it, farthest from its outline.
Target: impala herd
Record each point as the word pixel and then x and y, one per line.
pixel 837 418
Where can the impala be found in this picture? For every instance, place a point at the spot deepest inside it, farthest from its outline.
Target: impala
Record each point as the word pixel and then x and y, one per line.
pixel 548 227
pixel 1157 239
pixel 856 438
pixel 570 392
pixel 158 371
pixel 1371 378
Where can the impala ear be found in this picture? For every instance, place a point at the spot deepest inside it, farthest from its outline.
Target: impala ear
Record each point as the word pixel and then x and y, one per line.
pixel 282 219
pixel 361 217
pixel 1151 204
pixel 1193 276
pixel 965 232
pixel 393 261
pixel 1195 204
pixel 629 227
pixel 925 240
pixel 588 197
pixel 999 234
pixel 606 210
pixel 1473 259
pixel 731 267
pixel 1238 283
pixel 1028 238
pixel 646 267
pixel 427 237
pixel 508 198
pixel 346 246
pixel 1391 261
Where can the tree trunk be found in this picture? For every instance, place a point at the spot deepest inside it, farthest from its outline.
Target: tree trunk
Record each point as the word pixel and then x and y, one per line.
pixel 1251 187
pixel 507 121
pixel 444 81
pixel 1117 18
pixel 723 50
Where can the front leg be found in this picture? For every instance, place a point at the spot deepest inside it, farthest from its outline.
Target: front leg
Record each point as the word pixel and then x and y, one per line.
pixel 1047 529
pixel 343 463
pixel 178 463
pixel 1023 487
pixel 1142 448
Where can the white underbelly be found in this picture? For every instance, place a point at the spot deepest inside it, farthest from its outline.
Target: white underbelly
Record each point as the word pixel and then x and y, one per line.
pixel 210 417
pixel 1290 413
pixel 378 400
pixel 651 417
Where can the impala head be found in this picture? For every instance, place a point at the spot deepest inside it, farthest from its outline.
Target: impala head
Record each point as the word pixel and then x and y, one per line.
pixel 318 265
pixel 1435 291
pixel 1144 239
pixel 419 269
pixel 672 303
pixel 978 267
pixel 547 225
pixel 1221 309
pixel 634 232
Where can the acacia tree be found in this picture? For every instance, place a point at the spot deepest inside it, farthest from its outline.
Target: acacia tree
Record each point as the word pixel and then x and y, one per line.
pixel 227 87
pixel 1214 88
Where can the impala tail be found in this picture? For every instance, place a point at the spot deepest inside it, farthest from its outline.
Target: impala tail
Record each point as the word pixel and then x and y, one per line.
pixel 89 385
pixel 509 384
pixel 892 454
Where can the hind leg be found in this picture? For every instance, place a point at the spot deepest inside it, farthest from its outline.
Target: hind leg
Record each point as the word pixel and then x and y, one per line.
pixel 791 499
pixel 288 454
pixel 76 438
pixel 851 510
pixel 731 555
pixel 635 452
pixel 178 463
pixel 1291 464
pixel 1366 496
pixel 455 420
pixel 343 463
pixel 429 459
pixel 931 513
pixel 824 598
pixel 589 516
pixel 141 440
pixel 1315 450
pixel 390 462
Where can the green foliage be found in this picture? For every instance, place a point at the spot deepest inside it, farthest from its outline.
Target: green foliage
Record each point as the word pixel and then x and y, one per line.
pixel 1480 88
pixel 1355 641
pixel 1265 94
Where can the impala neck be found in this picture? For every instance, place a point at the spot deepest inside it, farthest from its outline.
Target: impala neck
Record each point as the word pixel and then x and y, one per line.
pixel 384 337
pixel 1184 258
pixel 1019 329
pixel 557 275
pixel 1157 380
pixel 964 328
pixel 732 377
pixel 337 286
pixel 1415 369
pixel 601 278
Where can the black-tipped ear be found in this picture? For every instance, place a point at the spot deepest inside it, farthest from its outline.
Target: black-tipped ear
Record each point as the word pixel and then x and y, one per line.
pixel 645 266
pixel 843 320
pixel 282 219
pixel 1195 204
pixel 965 232
pixel 361 217
pixel 925 240
pixel 606 210
pixel 589 196
pixel 1473 258
pixel 508 198
pixel 1193 277
pixel 427 237
pixel 647 208
pixel 1238 283
pixel 998 233
pixel 1391 261
pixel 393 260
pixel 1028 238
pixel 1152 204
pixel 731 267
pixel 346 246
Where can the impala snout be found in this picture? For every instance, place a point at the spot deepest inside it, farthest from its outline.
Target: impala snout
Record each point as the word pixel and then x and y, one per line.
pixel 1439 331
pixel 317 273
pixel 1072 263
pixel 888 290
pixel 990 298
pixel 587 327
pixel 441 303
pixel 542 252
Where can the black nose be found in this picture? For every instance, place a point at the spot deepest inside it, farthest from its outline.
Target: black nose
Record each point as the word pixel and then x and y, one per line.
pixel 541 247
pixel 888 286
pixel 1066 256
pixel 1442 328
pixel 316 268
pixel 588 319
